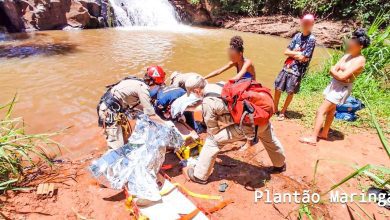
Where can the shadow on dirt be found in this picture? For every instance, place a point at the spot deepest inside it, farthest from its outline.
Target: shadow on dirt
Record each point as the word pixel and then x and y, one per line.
pixel 227 168
pixel 294 115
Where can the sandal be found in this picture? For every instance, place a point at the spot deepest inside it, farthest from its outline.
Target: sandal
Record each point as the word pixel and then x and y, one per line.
pixel 307 140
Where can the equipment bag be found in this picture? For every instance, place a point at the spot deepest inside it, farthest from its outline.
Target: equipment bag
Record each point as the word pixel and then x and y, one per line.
pixel 351 105
pixel 112 103
pixel 249 102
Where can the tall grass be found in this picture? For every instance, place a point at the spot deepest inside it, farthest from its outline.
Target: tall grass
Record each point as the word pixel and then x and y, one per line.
pixel 19 150
pixel 372 84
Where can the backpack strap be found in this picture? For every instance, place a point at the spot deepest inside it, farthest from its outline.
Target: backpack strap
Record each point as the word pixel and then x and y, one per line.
pixel 250 115
pixel 249 112
pixel 126 78
pixel 213 94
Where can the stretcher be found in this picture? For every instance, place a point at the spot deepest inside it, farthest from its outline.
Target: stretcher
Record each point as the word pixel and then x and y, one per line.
pixel 174 205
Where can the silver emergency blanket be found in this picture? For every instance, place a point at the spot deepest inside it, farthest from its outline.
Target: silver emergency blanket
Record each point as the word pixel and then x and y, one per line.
pixel 138 162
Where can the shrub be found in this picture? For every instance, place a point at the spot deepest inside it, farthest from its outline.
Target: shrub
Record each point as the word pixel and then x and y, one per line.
pixel 361 10
pixel 19 150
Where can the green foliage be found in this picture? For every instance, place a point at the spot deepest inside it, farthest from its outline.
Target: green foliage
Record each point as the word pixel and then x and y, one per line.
pixel 194 2
pixel 244 7
pixel 360 9
pixel 19 150
pixel 304 212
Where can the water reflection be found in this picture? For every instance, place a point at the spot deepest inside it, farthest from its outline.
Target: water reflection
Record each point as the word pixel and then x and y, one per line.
pixel 27 50
pixel 4 36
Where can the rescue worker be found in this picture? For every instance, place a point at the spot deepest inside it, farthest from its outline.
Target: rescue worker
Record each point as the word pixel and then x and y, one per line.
pixel 127 97
pixel 179 79
pixel 222 130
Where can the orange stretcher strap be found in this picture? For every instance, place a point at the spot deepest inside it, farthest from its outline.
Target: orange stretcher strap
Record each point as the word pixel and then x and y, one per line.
pixel 190 215
pixel 220 206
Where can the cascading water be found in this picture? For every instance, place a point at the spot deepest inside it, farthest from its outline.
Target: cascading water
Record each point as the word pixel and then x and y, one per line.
pixel 144 13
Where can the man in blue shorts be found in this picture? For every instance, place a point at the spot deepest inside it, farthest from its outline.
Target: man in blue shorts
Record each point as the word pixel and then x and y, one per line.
pixel 299 52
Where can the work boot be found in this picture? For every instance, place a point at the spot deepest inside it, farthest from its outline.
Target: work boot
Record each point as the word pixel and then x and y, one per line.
pixel 277 170
pixel 190 174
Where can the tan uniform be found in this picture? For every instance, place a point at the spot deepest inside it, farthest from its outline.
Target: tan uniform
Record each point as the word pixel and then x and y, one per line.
pixel 132 94
pixel 179 80
pixel 222 131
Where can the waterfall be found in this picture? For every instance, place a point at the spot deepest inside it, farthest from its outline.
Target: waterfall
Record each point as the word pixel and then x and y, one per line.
pixel 144 13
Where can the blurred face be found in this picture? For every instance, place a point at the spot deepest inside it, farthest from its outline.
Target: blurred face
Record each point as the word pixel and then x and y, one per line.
pixel 307 25
pixel 353 47
pixel 234 55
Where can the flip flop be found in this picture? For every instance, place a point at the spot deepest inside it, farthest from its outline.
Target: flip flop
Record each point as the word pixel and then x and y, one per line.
pixel 307 140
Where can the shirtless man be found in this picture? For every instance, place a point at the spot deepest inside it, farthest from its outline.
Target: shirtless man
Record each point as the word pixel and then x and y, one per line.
pixel 344 74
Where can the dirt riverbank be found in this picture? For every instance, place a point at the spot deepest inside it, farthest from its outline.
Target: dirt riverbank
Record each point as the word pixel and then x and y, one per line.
pixel 328 33
pixel 80 197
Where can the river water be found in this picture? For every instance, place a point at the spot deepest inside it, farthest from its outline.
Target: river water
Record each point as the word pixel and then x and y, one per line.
pixel 59 76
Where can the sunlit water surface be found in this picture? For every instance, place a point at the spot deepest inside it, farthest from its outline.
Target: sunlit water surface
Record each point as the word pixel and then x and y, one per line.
pixel 59 76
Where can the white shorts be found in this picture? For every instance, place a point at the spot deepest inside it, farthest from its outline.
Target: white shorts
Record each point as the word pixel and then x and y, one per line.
pixel 337 92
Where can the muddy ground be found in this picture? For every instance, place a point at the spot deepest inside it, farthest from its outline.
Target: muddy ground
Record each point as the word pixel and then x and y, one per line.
pixel 80 197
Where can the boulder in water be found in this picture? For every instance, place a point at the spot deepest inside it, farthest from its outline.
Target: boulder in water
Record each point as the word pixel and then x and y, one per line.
pixel 10 16
pixel 78 16
pixel 93 6
pixel 18 16
pixel 49 14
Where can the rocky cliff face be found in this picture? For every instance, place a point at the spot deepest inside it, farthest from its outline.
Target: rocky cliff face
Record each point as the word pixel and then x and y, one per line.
pixel 29 15
pixel 328 33
pixel 193 13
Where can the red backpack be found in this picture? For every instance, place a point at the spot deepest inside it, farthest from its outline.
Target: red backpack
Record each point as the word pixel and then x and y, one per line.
pixel 248 102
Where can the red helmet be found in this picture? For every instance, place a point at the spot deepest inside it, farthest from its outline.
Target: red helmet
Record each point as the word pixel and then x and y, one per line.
pixel 156 73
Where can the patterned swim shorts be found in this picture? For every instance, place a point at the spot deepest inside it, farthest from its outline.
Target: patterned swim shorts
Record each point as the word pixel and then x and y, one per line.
pixel 288 82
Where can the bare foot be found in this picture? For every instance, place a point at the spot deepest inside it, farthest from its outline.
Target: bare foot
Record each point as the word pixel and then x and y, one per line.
pixel 308 140
pixel 323 135
pixel 281 117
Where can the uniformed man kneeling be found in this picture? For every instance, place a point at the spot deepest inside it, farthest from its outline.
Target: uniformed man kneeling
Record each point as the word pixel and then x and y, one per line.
pixel 125 98
pixel 222 130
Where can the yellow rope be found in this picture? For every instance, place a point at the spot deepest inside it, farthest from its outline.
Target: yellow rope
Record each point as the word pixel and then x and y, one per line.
pixel 190 193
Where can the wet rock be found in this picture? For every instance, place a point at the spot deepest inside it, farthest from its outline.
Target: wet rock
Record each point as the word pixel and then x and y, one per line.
pixel 93 6
pixel 29 15
pixel 50 14
pixel 78 15
pixel 10 16
pixel 193 13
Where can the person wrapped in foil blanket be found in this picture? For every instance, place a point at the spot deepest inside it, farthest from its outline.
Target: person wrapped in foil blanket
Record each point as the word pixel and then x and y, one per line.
pixel 138 162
